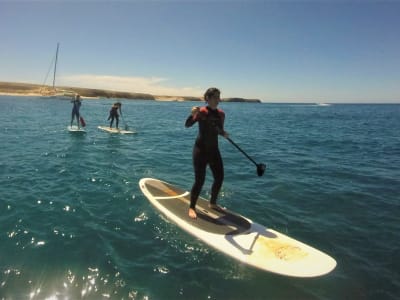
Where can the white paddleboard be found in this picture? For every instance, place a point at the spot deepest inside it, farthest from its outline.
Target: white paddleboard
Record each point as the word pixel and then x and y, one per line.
pixel 237 236
pixel 115 130
pixel 75 128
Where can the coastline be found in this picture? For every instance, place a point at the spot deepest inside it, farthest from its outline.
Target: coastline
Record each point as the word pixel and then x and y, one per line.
pixel 27 89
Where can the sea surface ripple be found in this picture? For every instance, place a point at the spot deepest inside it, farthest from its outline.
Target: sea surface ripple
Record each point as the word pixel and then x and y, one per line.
pixel 74 224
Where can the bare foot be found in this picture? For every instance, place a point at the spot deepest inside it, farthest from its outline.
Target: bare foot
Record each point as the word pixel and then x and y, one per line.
pixel 192 213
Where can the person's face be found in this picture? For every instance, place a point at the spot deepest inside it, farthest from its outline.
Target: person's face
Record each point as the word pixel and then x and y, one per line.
pixel 213 100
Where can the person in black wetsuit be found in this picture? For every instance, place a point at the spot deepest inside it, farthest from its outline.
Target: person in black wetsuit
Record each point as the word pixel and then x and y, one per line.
pixel 114 114
pixel 75 109
pixel 205 150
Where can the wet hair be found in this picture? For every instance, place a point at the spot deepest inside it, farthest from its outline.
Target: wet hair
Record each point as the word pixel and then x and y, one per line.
pixel 211 92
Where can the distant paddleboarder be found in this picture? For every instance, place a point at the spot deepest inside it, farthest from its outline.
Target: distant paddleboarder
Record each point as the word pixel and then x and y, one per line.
pixel 205 150
pixel 114 114
pixel 75 109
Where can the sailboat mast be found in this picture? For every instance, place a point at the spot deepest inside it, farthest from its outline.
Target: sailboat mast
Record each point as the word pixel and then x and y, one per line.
pixel 55 66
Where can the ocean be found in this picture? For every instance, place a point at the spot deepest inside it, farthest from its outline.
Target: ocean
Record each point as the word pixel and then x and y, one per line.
pixel 75 225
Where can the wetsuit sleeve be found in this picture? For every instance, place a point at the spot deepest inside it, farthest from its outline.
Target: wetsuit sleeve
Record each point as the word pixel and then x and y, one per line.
pixel 190 121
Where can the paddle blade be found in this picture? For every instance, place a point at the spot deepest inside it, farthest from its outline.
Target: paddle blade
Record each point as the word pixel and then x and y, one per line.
pixel 261 169
pixel 83 123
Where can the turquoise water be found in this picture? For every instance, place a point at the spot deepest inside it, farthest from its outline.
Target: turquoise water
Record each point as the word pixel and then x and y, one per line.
pixel 74 224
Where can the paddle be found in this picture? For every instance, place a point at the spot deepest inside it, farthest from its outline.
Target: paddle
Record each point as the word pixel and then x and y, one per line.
pixel 126 125
pixel 123 120
pixel 83 123
pixel 260 167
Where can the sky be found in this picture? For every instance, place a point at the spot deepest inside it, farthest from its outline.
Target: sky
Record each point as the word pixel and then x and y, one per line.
pixel 275 51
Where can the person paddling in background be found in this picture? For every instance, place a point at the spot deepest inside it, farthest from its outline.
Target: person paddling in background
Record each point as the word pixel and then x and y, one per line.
pixel 205 150
pixel 114 114
pixel 75 109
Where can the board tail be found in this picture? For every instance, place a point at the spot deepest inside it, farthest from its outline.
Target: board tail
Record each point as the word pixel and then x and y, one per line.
pixel 83 123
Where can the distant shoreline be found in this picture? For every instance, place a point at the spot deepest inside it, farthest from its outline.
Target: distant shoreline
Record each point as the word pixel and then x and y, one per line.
pixel 28 89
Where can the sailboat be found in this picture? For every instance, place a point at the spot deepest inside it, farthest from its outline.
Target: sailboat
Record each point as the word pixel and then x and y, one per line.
pixel 53 92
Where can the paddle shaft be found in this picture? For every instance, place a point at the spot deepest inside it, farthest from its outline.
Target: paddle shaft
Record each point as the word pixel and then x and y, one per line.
pixel 245 154
pixel 123 120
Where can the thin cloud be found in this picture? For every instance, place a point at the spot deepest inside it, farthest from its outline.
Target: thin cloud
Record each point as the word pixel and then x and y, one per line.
pixel 148 85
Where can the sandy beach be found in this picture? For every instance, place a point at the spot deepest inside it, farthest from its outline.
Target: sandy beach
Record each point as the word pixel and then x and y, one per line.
pixel 28 89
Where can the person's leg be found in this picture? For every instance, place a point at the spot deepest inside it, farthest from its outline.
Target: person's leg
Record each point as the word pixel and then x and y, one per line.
pixel 199 165
pixel 217 169
pixel 72 117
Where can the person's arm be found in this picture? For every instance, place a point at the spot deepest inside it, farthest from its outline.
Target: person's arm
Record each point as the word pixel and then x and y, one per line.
pixel 221 130
pixel 193 117
pixel 225 134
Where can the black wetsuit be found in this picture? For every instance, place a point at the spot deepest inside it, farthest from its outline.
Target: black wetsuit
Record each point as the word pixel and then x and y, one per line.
pixel 114 114
pixel 206 151
pixel 75 110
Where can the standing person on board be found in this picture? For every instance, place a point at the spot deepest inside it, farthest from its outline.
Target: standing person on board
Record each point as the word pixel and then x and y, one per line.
pixel 205 150
pixel 75 109
pixel 114 114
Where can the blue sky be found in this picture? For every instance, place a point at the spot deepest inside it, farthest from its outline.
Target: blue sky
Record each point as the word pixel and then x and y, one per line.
pixel 276 51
